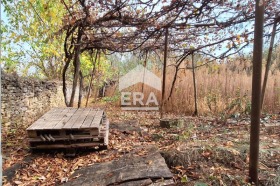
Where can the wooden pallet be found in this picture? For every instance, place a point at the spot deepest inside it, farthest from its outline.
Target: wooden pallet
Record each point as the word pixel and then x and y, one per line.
pixel 69 128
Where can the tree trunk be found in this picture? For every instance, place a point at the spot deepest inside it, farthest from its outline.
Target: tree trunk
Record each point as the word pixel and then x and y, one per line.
pixel 268 62
pixel 68 57
pixel 64 85
pixel 145 65
pixel 91 78
pixel 194 87
pixel 80 89
pixel 76 63
pixel 256 92
pixel 164 72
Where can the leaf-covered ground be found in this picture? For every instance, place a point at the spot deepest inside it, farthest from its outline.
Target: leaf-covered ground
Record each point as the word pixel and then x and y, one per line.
pixel 202 152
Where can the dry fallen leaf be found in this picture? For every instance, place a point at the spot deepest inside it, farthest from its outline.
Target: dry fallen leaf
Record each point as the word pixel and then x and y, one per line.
pixel 64 180
pixel 18 182
pixel 228 144
pixel 42 178
pixel 206 154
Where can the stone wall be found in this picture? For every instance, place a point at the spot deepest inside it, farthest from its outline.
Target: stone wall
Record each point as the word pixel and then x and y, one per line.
pixel 24 100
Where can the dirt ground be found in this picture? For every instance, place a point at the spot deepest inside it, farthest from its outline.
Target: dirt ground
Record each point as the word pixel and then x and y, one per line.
pixel 204 151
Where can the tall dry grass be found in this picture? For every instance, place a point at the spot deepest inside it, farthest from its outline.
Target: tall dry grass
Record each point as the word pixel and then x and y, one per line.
pixel 221 89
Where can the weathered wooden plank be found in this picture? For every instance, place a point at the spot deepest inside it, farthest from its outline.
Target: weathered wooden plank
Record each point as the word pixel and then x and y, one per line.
pixel 41 121
pixel 89 119
pixel 65 119
pixel 76 137
pixel 50 118
pixel 79 122
pixel 106 138
pixel 73 119
pixel 104 127
pixel 74 145
pixel 97 119
pixel 55 118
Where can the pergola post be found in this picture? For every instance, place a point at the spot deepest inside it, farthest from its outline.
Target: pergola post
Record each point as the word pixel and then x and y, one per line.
pixel 164 72
pixel 256 92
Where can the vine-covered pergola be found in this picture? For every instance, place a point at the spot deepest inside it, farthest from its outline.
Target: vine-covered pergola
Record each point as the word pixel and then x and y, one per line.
pixel 200 26
pixel 212 28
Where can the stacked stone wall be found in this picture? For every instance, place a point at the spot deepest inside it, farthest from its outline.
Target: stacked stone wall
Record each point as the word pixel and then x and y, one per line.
pixel 24 100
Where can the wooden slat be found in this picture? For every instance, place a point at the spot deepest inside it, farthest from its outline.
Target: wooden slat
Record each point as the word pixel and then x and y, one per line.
pixel 79 122
pixel 106 132
pixel 75 145
pixel 96 139
pixel 69 118
pixel 97 119
pixel 65 118
pixel 89 119
pixel 39 121
pixel 73 119
pixel 54 119
pixel 42 120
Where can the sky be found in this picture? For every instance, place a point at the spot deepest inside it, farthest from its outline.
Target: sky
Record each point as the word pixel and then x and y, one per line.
pixel 3 14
